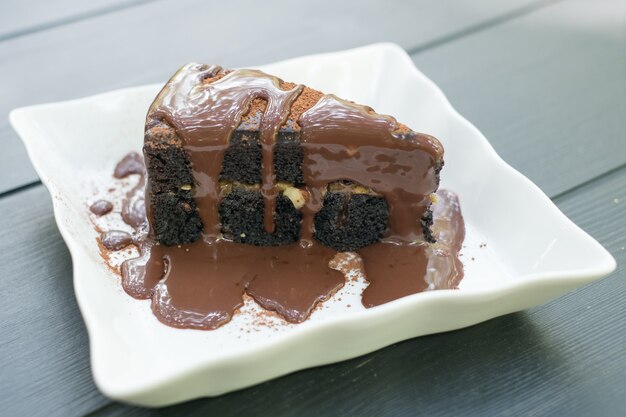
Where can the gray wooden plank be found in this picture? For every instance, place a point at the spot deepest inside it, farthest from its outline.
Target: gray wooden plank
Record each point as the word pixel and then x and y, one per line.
pixel 142 45
pixel 44 354
pixel 17 169
pixel 562 358
pixel 541 346
pixel 19 17
pixel 552 80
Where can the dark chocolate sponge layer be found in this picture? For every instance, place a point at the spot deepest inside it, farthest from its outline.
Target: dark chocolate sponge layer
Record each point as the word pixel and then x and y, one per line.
pixel 242 159
pixel 241 212
pixel 349 222
pixel 174 212
pixel 176 219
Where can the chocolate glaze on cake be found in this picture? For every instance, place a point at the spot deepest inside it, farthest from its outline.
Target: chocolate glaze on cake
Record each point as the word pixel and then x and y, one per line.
pixel 208 119
pixel 359 178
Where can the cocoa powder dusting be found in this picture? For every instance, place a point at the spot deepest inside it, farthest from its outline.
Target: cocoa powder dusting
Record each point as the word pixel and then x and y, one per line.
pixel 304 102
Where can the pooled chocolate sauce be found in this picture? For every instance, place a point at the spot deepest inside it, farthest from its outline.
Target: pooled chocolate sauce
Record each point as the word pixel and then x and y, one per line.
pixel 201 285
pixel 101 207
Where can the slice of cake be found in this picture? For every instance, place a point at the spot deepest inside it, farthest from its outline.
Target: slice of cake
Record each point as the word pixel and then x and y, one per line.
pixel 247 157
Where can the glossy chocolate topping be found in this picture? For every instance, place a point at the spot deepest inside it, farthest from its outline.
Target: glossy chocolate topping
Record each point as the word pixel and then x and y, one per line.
pixel 201 285
pixel 205 116
pixel 343 140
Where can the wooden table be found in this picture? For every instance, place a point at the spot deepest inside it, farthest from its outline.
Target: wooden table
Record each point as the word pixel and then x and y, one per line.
pixel 544 80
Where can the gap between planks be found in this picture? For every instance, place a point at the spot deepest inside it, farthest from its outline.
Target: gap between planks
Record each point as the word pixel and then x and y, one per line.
pixel 488 24
pixel 73 19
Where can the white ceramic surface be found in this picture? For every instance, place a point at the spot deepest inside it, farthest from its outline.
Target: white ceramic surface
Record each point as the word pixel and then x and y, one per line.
pixel 533 252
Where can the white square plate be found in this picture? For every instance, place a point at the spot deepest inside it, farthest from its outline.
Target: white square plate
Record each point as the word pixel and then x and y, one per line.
pixel 533 252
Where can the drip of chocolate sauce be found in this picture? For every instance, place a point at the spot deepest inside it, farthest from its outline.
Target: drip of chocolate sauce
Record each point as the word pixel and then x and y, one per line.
pixel 343 140
pixel 133 206
pixel 394 271
pixel 445 269
pixel 132 163
pixel 201 285
pixel 101 207
pixel 116 239
pixel 205 116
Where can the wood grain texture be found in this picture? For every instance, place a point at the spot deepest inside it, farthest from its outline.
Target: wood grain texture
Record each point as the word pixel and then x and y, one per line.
pixel 44 357
pixel 20 17
pixel 148 43
pixel 552 81
pixel 16 167
pixel 563 358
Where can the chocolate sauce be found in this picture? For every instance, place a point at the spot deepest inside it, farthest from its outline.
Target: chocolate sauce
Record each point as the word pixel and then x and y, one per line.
pixel 132 163
pixel 116 239
pixel 343 140
pixel 292 279
pixel 139 277
pixel 394 271
pixel 205 116
pixel 101 207
pixel 133 205
pixel 201 285
pixel 445 269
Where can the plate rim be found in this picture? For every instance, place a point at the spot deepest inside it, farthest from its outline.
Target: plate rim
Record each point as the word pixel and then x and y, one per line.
pixel 19 118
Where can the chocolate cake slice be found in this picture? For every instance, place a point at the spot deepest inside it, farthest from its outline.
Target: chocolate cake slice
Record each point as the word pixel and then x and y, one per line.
pixel 247 157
